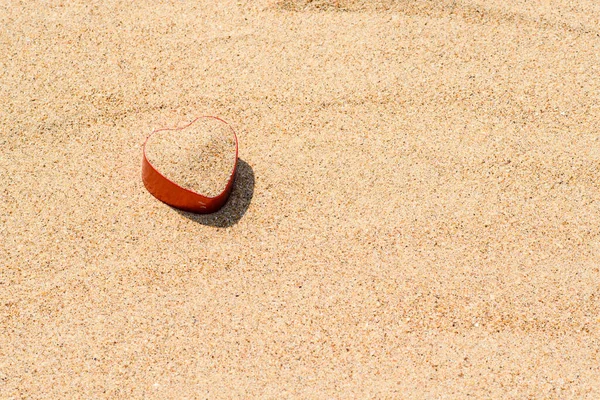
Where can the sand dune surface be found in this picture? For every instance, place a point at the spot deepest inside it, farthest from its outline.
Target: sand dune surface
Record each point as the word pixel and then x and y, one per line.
pixel 416 213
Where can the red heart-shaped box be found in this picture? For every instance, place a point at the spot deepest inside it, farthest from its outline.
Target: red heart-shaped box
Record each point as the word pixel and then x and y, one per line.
pixel 176 196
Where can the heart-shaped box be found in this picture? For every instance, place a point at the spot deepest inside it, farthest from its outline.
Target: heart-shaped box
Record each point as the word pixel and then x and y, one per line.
pixel 177 196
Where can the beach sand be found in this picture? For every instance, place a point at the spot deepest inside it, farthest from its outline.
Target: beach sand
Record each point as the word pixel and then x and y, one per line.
pixel 416 215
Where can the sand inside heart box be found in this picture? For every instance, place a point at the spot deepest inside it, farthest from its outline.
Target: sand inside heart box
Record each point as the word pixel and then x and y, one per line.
pixel 199 157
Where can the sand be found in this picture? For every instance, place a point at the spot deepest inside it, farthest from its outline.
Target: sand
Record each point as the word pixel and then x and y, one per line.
pixel 199 157
pixel 419 214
